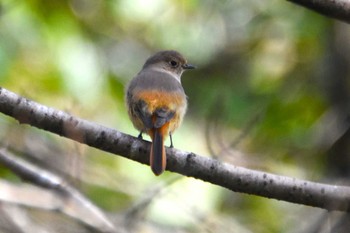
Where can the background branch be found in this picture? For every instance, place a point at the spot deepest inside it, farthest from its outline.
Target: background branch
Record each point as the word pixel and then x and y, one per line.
pixel 338 9
pixel 65 198
pixel 235 178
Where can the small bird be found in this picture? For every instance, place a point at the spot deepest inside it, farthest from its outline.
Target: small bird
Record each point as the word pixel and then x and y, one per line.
pixel 157 102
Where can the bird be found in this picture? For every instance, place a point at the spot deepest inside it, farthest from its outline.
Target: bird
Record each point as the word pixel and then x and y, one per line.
pixel 157 103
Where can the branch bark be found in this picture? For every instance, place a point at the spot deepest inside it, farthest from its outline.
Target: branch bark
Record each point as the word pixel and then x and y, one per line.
pixel 338 9
pixel 237 179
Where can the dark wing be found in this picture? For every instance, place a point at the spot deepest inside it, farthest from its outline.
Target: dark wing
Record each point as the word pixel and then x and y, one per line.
pixel 140 110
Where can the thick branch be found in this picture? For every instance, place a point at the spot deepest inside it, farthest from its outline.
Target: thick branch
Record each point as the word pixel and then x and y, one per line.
pixel 235 178
pixel 338 9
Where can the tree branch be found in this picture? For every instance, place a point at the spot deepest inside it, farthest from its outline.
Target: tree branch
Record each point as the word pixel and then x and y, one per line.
pixel 234 178
pixel 338 9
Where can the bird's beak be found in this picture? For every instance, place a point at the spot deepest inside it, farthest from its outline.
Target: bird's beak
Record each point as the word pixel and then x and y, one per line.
pixel 188 67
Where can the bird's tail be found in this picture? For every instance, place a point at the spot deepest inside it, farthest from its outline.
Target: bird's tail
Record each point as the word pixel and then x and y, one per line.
pixel 158 156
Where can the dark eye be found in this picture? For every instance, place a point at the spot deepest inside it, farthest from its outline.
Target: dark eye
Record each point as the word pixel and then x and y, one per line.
pixel 173 63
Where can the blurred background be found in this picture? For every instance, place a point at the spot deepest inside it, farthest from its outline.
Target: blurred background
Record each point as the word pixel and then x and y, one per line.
pixel 270 92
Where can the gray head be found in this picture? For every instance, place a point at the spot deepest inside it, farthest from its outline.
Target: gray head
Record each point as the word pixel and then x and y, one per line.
pixel 168 60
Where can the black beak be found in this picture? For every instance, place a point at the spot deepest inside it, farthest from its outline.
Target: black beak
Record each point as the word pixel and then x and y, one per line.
pixel 188 67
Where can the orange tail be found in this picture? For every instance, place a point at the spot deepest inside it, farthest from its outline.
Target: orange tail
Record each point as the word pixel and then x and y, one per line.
pixel 158 157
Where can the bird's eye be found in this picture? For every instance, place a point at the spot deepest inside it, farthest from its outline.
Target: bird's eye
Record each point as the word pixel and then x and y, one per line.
pixel 173 63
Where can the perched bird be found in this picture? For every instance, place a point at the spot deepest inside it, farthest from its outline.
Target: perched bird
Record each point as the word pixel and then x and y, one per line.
pixel 156 101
